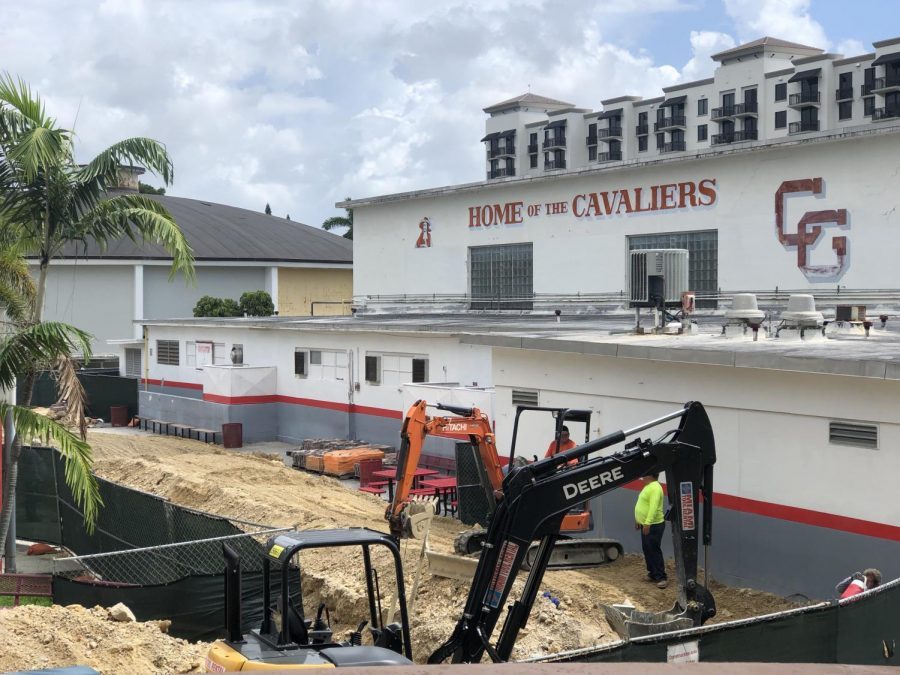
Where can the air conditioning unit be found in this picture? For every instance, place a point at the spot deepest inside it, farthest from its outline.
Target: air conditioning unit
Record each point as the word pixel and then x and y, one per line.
pixel 658 277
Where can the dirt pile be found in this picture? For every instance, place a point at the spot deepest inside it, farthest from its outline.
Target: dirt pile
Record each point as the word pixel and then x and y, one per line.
pixel 261 489
pixel 48 637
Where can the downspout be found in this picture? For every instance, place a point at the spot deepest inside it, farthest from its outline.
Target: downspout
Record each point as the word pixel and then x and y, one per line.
pixel 147 358
pixel 351 416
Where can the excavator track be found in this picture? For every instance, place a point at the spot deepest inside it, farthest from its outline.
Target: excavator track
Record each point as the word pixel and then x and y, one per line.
pixel 568 553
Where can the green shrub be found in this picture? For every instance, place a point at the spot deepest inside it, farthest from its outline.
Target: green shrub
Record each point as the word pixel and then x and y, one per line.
pixel 257 303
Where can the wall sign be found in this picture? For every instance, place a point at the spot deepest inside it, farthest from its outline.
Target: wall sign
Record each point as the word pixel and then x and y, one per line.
pixel 605 204
pixel 809 230
pixel 424 240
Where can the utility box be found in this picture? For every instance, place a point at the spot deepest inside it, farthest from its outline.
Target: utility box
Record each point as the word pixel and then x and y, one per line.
pixel 658 277
pixel 850 313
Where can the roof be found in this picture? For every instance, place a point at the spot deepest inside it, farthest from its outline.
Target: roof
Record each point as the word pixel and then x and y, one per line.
pixel 528 99
pixel 806 75
pixel 763 43
pixel 220 232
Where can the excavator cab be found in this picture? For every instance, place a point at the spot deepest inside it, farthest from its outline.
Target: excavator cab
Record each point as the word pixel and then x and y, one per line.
pixel 287 638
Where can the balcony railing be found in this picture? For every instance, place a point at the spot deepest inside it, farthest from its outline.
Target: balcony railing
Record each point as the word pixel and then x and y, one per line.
pixel 669 123
pixel 804 98
pixel 885 113
pixel 866 88
pixel 591 140
pixel 843 94
pixel 802 127
pixel 532 148
pixel 559 142
pixel 736 137
pixel 642 129
pixel 674 146
pixel 612 132
pixel 722 113
pixel 501 151
pixel 748 108
pixel 611 156
pixel 554 164
pixel 501 173
pixel 882 83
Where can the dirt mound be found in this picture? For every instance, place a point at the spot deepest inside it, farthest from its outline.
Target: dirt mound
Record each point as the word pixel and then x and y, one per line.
pixel 261 489
pixel 49 637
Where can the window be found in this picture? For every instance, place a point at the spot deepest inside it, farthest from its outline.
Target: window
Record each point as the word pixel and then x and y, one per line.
pixel 868 81
pixel 781 91
pixel 502 277
pixel 373 369
pixel 701 132
pixel 868 106
pixel 420 370
pixel 533 161
pixel 132 362
pixel 660 141
pixel 190 354
pixel 845 85
pixel 592 153
pixel 702 106
pixel 852 433
pixel 301 365
pixel 703 257
pixel 315 357
pixel 845 110
pixel 592 132
pixel 221 357
pixel 642 143
pixel 728 101
pixel 524 397
pixel 781 119
pixel 167 352
pixel 750 97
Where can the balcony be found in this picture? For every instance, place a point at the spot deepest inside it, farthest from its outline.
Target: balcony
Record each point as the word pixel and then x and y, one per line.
pixel 501 173
pixel 886 84
pixel 642 129
pixel 532 148
pixel 612 132
pixel 591 140
pixel 746 109
pixel 735 137
pixel 885 113
pixel 676 122
pixel 843 94
pixel 505 151
pixel 549 165
pixel 559 142
pixel 807 98
pixel 611 156
pixel 722 113
pixel 803 127
pixel 674 146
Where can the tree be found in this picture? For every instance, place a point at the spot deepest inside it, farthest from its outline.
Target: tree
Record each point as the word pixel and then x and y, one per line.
pixel 287 217
pixel 216 307
pixel 143 188
pixel 268 209
pixel 47 200
pixel 341 221
pixel 257 303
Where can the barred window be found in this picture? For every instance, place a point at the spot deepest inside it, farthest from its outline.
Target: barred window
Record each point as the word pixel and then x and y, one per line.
pixel 373 369
pixel 167 352
pixel 703 257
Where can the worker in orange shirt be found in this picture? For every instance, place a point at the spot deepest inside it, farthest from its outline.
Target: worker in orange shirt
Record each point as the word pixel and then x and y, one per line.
pixel 565 443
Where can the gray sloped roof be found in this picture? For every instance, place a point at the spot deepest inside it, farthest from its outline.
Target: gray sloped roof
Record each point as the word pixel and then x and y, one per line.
pixel 220 232
pixel 763 42
pixel 528 99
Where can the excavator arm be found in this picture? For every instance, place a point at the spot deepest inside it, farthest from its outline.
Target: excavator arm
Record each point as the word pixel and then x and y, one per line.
pixel 417 425
pixel 536 498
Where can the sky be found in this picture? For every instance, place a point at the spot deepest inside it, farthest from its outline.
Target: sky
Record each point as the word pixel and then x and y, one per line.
pixel 301 104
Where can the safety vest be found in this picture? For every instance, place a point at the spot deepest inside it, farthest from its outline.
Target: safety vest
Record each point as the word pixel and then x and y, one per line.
pixel 855 587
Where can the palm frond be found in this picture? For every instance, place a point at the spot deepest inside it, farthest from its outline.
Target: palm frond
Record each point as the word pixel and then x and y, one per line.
pixel 132 214
pixel 16 94
pixel 16 285
pixel 40 343
pixel 36 150
pixel 140 151
pixel 71 392
pixel 75 452
pixel 336 221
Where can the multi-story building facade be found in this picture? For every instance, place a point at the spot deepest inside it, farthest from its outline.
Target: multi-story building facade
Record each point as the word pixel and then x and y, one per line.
pixel 761 91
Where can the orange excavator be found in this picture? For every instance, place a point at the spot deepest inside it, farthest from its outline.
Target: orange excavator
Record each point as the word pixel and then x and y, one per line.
pixel 472 423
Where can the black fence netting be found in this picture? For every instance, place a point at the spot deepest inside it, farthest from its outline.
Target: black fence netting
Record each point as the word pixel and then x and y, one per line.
pixel 864 630
pixel 103 389
pixel 162 560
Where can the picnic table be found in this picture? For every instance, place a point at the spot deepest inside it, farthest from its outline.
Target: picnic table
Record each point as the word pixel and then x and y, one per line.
pixel 390 475
pixel 444 487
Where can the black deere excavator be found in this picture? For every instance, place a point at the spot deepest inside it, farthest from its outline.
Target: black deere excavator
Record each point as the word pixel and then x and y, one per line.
pixel 535 500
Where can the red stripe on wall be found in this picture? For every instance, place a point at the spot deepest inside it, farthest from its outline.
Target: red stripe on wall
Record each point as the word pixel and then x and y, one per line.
pixel 173 383
pixel 309 402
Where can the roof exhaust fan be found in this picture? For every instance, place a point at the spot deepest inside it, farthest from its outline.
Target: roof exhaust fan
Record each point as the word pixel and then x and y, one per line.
pixel 800 319
pixel 744 319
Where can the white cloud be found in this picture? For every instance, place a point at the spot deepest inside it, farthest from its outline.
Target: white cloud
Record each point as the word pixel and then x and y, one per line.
pixel 785 19
pixel 851 47
pixel 703 45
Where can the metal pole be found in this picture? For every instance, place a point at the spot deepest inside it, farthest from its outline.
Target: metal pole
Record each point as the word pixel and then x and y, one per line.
pixel 9 435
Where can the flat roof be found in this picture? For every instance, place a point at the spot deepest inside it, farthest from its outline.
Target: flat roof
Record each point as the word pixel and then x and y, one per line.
pixel 609 335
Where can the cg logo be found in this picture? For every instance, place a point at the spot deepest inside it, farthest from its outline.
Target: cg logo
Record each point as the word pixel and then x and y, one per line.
pixel 424 240
pixel 806 237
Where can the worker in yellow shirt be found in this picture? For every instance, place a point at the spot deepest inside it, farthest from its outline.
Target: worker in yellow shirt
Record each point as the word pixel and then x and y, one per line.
pixel 650 520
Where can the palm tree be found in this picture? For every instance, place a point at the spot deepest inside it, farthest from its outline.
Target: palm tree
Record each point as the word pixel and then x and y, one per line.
pixel 341 221
pixel 51 201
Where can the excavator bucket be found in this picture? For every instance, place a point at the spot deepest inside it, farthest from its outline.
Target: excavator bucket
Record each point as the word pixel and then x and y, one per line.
pixel 629 622
pixel 416 517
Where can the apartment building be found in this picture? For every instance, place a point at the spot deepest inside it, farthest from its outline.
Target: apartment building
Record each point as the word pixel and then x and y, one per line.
pixel 763 91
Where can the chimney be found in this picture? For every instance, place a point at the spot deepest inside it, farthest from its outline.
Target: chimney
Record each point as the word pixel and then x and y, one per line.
pixel 128 177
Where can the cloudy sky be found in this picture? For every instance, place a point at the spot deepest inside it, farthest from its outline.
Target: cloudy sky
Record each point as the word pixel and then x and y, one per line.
pixel 302 103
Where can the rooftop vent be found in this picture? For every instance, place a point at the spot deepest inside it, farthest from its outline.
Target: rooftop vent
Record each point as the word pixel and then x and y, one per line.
pixel 744 318
pixel 800 319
